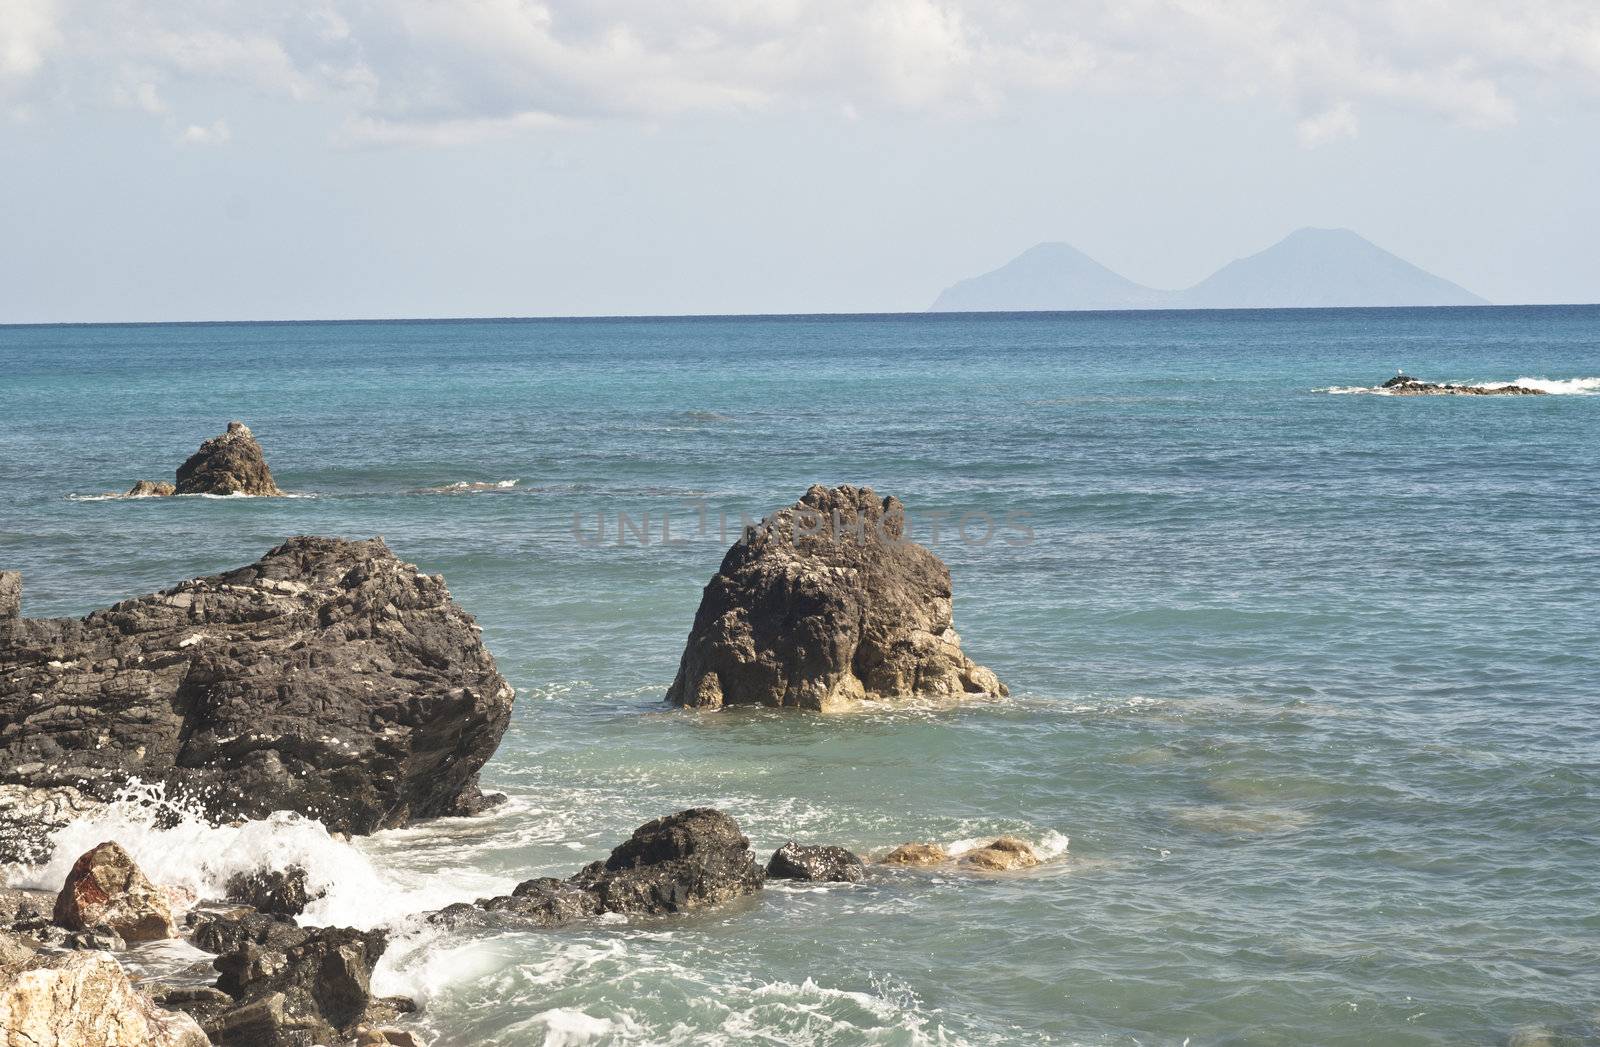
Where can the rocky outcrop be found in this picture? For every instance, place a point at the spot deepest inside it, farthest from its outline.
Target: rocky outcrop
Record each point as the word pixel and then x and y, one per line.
pixel 1405 385
pixel 232 463
pixel 826 603
pixel 1005 853
pixel 686 861
pixel 818 864
pixel 151 489
pixel 84 999
pixel 10 595
pixel 279 985
pixel 329 678
pixel 105 888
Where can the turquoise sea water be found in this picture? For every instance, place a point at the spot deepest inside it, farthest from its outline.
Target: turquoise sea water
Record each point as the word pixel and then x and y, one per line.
pixel 1309 680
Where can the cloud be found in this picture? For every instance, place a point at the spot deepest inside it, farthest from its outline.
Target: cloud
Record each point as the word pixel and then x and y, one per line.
pixel 443 72
pixel 214 133
pixel 1327 126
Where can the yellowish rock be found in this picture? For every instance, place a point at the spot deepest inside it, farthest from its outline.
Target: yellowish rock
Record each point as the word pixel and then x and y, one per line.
pixel 916 854
pixel 1005 853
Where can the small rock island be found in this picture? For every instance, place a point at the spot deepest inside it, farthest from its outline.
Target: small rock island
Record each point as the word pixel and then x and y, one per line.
pixel 825 604
pixel 232 463
pixel 1405 385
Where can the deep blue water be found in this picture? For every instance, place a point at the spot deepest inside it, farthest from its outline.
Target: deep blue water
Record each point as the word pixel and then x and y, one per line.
pixel 1310 680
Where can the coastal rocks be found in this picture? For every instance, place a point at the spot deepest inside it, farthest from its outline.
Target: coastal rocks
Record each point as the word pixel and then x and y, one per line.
pixel 686 861
pixel 273 891
pixel 689 860
pixel 818 864
pixel 825 604
pixel 232 463
pixel 1405 385
pixel 151 489
pixel 105 888
pixel 916 855
pixel 1004 854
pixel 329 678
pixel 279 985
pixel 84 999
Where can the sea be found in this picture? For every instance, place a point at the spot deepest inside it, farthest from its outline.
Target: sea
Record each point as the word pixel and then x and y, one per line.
pixel 1305 679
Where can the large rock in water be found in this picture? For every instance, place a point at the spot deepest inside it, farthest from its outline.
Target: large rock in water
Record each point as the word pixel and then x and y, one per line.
pixel 228 464
pixel 330 678
pixel 106 887
pixel 824 604
pixel 679 863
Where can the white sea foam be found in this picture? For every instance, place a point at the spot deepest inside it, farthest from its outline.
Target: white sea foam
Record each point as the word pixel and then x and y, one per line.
pixel 177 847
pixel 1049 846
pixel 470 487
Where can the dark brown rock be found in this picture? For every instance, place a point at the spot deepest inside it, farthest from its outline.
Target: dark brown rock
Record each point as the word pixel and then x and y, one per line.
pixel 105 888
pixel 680 863
pixel 793 861
pixel 232 463
pixel 824 604
pixel 279 985
pixel 280 892
pixel 329 678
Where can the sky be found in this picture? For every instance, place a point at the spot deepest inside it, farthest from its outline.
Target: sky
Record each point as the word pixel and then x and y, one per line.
pixel 305 159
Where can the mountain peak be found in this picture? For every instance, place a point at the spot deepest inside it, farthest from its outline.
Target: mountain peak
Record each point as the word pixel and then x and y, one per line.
pixel 1311 267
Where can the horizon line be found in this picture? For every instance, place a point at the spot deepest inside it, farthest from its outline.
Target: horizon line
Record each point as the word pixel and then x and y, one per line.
pixel 865 314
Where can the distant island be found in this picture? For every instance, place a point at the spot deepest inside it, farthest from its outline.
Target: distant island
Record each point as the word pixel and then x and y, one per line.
pixel 1309 268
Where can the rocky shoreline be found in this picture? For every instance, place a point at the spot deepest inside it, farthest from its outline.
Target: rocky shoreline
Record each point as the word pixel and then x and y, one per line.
pixel 332 679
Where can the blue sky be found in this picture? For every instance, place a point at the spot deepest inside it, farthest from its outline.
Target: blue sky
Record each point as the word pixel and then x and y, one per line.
pixel 329 158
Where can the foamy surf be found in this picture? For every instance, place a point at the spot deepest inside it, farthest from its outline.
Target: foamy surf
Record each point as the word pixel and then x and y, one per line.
pixel 180 849
pixel 470 487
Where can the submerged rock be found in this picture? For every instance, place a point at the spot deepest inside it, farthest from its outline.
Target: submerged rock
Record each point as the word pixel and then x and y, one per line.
pixel 151 489
pixel 825 604
pixel 1405 385
pixel 106 888
pixel 916 854
pixel 84 999
pixel 686 861
pixel 820 864
pixel 1005 853
pixel 232 463
pixel 329 678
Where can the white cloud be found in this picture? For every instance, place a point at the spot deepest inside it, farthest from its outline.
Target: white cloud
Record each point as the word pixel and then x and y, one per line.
pixel 214 133
pixel 1327 126
pixel 440 72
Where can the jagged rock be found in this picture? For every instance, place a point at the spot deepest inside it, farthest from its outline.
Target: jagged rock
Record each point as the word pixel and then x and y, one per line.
pixel 1007 852
pixel 105 887
pixel 366 1037
pixel 228 464
pixel 330 678
pixel 151 489
pixel 282 985
pixel 916 854
pixel 279 892
pixel 824 604
pixel 824 864
pixel 1405 385
pixel 682 862
pixel 16 952
pixel 84 999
